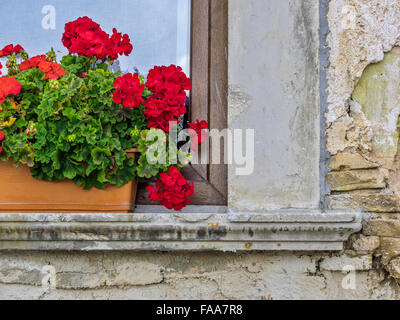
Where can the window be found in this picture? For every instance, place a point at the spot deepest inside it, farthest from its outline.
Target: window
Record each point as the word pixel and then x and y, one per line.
pixel 159 29
pixel 209 39
pixel 189 33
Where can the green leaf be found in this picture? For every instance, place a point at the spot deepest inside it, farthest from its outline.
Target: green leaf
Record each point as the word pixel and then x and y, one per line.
pixel 99 155
pixel 69 170
pixel 68 60
pixel 21 123
pixel 103 66
pixel 123 174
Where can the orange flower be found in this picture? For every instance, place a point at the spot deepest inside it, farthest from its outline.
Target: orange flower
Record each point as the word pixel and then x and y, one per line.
pixel 8 86
pixel 51 70
pixel 32 63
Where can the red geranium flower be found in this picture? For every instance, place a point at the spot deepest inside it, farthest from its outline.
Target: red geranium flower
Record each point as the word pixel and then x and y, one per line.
pixel 1 67
pixel 52 70
pixel 168 85
pixel 172 190
pixel 32 63
pixel 118 45
pixel 18 49
pixel 128 91
pixel 82 27
pixel 159 78
pixel 6 51
pixel 197 130
pixel 157 114
pixel 10 49
pixel 85 37
pixel 8 86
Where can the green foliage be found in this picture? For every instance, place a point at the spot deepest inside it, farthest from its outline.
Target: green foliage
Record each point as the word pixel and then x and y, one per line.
pixel 70 128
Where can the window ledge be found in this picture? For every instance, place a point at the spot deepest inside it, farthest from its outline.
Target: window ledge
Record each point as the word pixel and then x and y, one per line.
pixel 295 230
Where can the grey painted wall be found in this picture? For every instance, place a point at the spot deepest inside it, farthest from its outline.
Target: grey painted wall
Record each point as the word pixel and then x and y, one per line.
pixel 274 89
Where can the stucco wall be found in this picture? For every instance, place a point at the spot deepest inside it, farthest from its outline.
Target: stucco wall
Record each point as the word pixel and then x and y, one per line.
pixel 363 119
pixel 274 87
pixel 122 275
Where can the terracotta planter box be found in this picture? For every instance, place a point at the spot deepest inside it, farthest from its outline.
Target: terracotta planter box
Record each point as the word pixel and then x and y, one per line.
pixel 19 192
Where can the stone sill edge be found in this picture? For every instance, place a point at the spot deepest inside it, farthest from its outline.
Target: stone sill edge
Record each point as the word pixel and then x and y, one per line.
pixel 292 230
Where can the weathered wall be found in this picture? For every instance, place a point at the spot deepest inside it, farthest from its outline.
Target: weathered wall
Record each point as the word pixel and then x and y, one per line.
pixel 122 275
pixel 363 119
pixel 274 83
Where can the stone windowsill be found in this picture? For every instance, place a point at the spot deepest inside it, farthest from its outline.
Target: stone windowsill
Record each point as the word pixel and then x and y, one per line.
pixel 295 230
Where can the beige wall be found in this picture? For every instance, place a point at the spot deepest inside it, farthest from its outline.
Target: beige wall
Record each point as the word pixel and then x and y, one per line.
pixel 122 275
pixel 363 119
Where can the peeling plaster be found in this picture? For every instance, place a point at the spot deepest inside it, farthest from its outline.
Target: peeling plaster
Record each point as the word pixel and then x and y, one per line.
pixel 363 114
pixel 373 30
pixel 160 275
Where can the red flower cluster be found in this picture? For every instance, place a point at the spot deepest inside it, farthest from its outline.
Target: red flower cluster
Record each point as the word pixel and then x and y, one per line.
pixel 172 190
pixel 1 67
pixel 197 130
pixel 32 63
pixel 85 37
pixel 128 91
pixel 10 49
pixel 8 86
pixel 1 139
pixel 118 45
pixel 159 78
pixel 168 85
pixel 52 70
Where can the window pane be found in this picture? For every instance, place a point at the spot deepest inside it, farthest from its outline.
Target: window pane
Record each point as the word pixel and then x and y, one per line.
pixel 159 29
